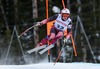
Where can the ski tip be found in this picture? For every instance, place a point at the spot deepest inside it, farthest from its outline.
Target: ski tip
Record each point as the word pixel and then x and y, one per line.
pixel 27 52
pixel 40 53
pixel 18 36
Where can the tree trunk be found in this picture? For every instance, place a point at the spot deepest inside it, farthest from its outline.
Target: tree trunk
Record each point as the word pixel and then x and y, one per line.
pixel 15 12
pixel 4 15
pixel 36 39
pixel 34 5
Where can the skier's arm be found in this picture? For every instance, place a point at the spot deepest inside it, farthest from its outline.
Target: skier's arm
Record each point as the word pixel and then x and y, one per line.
pixel 69 31
pixel 45 21
pixel 68 34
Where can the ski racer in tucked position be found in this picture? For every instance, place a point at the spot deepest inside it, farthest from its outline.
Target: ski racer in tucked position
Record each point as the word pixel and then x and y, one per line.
pixel 61 24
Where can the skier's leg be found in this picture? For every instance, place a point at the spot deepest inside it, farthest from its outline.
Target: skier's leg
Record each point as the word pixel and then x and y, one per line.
pixel 52 36
pixel 44 41
pixel 49 37
pixel 58 36
pixel 53 33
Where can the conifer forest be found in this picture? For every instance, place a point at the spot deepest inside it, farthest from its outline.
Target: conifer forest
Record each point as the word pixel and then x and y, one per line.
pixel 18 15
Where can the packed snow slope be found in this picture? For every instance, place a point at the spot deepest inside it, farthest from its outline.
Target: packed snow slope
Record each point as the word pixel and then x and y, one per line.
pixel 74 65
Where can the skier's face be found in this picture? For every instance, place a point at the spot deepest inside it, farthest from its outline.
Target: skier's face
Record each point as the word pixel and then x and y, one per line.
pixel 65 16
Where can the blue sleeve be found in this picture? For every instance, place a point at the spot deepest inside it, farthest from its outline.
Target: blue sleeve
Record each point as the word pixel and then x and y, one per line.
pixel 53 17
pixel 69 27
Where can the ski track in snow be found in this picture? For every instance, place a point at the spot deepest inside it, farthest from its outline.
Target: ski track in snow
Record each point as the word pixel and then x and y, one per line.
pixel 75 65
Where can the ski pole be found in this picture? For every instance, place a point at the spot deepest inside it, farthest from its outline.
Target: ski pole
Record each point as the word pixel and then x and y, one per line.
pixel 63 4
pixel 59 54
pixel 38 23
pixel 73 45
pixel 58 57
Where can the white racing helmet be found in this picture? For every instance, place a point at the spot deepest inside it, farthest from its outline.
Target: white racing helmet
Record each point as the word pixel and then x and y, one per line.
pixel 65 10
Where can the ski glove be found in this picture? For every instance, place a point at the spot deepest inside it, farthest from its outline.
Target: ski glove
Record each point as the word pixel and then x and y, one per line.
pixel 65 40
pixel 39 24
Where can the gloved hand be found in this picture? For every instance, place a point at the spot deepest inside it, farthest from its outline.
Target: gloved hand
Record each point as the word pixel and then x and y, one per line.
pixel 65 40
pixel 39 24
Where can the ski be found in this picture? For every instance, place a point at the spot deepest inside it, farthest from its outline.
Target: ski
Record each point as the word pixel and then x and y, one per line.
pixel 46 49
pixel 37 24
pixel 50 46
pixel 36 49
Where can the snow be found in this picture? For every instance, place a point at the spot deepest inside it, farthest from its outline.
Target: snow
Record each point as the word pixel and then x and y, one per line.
pixel 75 65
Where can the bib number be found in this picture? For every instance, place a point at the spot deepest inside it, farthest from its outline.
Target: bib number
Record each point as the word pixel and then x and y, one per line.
pixel 60 27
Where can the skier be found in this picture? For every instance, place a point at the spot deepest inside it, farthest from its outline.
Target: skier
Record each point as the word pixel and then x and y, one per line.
pixel 61 24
